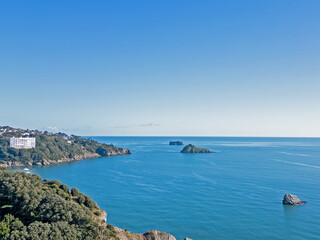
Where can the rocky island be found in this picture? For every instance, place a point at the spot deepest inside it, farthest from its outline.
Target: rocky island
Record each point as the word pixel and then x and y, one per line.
pixel 175 143
pixel 193 149
pixel 32 208
pixel 50 148
pixel 290 199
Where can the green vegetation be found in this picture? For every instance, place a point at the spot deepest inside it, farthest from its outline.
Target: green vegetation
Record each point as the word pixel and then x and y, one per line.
pixel 51 148
pixel 31 209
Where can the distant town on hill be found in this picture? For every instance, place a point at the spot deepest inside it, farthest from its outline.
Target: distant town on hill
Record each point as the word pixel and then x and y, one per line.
pixel 20 147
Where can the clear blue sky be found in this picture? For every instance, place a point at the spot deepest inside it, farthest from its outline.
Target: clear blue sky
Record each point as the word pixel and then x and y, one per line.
pixel 162 67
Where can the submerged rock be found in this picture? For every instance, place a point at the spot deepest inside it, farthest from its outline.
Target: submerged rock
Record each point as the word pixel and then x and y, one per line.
pixel 193 149
pixel 290 199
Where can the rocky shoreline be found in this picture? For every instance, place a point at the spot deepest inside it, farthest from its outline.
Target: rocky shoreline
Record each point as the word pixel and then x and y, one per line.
pixel 150 235
pixel 65 160
pixel 124 234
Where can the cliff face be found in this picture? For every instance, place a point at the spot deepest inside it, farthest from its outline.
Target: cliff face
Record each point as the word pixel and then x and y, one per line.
pixel 103 218
pixel 193 149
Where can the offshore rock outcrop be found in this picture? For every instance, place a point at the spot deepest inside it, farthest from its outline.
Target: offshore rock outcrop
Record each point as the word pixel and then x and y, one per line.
pixel 193 149
pixel 175 143
pixel 290 199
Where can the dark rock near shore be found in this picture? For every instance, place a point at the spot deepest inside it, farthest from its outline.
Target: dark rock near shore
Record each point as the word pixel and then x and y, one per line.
pixel 193 149
pixel 156 235
pixel 290 199
pixel 175 143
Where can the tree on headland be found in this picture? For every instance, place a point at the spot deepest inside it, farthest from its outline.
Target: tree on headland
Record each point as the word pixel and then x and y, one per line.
pixel 75 192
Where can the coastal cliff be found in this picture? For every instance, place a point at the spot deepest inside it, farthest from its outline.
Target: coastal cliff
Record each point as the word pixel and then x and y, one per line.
pixel 51 148
pixel 34 209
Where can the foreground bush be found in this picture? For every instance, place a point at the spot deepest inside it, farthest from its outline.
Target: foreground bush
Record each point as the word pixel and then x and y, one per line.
pixel 32 209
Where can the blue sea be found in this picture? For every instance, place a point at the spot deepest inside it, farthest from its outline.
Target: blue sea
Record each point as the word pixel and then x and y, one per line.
pixel 235 193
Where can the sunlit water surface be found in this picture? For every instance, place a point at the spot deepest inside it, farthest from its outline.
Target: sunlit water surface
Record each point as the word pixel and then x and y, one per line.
pixel 235 193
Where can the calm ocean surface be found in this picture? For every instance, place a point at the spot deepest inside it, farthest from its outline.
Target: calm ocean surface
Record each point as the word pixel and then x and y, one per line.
pixel 235 193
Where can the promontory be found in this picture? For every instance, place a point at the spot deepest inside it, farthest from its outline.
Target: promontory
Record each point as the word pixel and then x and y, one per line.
pixel 19 147
pixel 32 208
pixel 193 149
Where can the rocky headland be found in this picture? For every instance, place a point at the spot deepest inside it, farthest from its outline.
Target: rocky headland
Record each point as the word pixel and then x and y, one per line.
pixel 55 212
pixel 51 148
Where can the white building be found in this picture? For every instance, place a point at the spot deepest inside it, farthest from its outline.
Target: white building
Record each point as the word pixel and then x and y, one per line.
pixel 23 142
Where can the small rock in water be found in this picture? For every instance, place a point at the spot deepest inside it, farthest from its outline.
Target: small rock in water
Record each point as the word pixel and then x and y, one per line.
pixel 175 143
pixel 290 199
pixel 187 238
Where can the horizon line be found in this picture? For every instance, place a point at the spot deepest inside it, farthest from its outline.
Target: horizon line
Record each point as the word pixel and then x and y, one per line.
pixel 198 136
